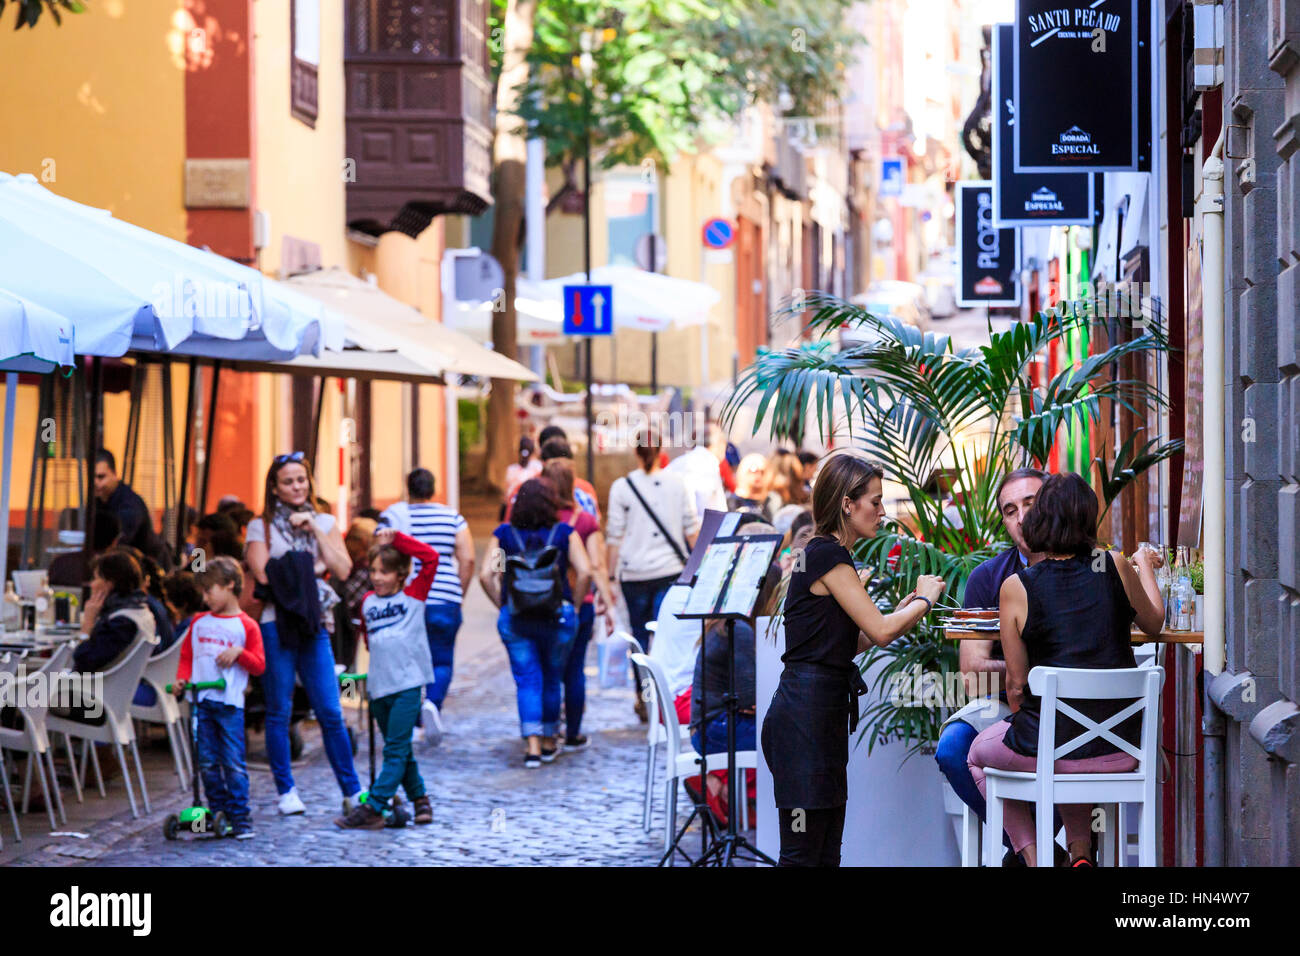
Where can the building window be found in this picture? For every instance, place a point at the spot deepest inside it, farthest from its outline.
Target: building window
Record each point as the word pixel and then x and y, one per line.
pixel 304 34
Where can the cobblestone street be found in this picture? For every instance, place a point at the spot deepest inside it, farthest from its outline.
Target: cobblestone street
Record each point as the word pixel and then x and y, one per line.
pixel 585 808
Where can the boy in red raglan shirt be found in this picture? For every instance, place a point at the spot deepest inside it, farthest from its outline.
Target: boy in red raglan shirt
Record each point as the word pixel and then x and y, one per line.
pixel 224 643
pixel 401 666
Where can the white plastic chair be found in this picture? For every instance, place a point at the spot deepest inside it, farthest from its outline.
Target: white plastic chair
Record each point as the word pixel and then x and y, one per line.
pixel 33 739
pixel 119 684
pixel 9 664
pixel 682 761
pixel 1045 788
pixel 158 673
pixel 655 732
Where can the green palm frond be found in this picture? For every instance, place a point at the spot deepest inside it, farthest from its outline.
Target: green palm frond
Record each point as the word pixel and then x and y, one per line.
pixel 1129 464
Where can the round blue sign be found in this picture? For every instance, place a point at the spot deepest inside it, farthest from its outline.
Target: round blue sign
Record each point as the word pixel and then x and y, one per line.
pixel 718 233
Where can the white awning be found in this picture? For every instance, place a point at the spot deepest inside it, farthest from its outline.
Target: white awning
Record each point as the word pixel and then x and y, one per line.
pixel 377 322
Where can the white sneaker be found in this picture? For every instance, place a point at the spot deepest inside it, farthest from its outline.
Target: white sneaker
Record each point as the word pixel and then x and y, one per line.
pixel 352 801
pixel 432 721
pixel 291 803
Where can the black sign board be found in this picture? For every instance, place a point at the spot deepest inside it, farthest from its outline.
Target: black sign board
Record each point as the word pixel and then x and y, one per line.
pixel 1028 199
pixel 988 258
pixel 1076 86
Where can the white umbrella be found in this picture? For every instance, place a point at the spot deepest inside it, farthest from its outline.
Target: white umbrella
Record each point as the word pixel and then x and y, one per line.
pixel 644 300
pixel 32 338
pixel 199 302
pixel 378 322
pixel 539 312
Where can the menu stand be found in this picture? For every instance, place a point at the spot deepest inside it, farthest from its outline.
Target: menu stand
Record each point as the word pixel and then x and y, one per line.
pixel 738 593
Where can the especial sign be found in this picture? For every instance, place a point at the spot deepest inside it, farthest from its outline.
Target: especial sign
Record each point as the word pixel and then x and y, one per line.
pixel 988 257
pixel 1076 86
pixel 1027 199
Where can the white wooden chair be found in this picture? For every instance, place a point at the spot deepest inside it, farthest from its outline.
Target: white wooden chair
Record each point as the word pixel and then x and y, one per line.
pixel 1046 788
pixel 118 687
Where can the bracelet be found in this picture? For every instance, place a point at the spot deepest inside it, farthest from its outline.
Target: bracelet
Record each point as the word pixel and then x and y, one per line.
pixel 929 605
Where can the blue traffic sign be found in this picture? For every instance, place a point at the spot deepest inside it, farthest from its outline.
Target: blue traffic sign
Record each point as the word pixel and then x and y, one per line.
pixel 588 309
pixel 718 233
pixel 891 177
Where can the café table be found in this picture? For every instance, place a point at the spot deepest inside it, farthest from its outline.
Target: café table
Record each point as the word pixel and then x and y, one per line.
pixel 1138 636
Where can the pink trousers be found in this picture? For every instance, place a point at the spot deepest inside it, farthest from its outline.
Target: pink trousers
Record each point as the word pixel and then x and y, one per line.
pixel 988 750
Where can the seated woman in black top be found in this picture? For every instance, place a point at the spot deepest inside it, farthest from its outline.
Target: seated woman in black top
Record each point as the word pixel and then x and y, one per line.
pixel 829 619
pixel 1075 608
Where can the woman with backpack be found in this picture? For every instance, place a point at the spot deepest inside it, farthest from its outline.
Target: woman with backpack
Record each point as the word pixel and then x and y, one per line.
pixel 651 529
pixel 526 574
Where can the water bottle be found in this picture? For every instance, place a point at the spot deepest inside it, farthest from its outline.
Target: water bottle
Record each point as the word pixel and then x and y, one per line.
pixel 1184 594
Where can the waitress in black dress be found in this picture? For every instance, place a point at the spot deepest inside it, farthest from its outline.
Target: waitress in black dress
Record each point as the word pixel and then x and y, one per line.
pixel 829 619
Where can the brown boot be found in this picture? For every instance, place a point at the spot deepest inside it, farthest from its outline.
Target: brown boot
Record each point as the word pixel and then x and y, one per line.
pixel 423 809
pixel 361 817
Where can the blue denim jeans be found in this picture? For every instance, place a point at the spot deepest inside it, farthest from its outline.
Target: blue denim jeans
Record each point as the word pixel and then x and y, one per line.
pixel 221 760
pixel 395 715
pixel 575 675
pixel 643 600
pixel 442 620
pixel 313 661
pixel 716 731
pixel 538 650
pixel 950 753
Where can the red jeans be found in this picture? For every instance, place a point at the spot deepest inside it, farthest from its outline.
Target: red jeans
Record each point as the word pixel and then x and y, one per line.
pixel 988 750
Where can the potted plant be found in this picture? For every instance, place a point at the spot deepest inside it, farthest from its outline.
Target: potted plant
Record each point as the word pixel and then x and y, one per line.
pixel 922 407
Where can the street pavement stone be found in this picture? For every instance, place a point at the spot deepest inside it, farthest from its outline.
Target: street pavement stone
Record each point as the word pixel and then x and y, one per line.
pixel 583 809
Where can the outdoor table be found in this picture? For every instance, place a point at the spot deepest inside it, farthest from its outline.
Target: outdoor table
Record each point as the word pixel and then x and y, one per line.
pixel 1139 636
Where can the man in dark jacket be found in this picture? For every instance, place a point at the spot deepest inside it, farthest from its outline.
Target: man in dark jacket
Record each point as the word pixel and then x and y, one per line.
pixel 119 498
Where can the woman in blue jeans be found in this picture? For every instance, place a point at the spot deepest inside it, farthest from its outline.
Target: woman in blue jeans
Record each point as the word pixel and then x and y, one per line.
pixel 539 633
pixel 290 522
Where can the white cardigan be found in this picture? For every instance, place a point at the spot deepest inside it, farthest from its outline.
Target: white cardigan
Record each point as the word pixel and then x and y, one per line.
pixel 644 554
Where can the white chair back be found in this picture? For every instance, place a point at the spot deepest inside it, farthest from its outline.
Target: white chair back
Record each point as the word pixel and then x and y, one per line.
pixel 119 684
pixel 1140 684
pixel 160 670
pixel 667 712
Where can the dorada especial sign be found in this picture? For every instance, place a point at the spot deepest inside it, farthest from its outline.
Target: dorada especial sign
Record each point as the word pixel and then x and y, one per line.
pixel 1075 86
pixel 1028 199
pixel 988 257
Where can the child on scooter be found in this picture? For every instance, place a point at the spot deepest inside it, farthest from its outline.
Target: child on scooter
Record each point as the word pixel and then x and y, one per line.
pixel 400 667
pixel 222 642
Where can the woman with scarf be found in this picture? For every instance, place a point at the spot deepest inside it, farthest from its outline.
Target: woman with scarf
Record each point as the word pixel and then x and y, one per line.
pixel 289 549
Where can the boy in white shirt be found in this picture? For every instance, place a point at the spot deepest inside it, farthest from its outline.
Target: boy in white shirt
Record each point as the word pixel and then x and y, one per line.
pixel 222 643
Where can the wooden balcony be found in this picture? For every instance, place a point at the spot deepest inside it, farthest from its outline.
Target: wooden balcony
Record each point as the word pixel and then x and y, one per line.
pixel 417 116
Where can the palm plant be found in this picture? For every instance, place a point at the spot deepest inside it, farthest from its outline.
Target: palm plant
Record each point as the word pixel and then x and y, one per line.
pixel 922 408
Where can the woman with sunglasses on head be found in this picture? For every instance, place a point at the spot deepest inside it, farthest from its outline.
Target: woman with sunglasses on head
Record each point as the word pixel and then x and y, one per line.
pixel 829 620
pixel 292 536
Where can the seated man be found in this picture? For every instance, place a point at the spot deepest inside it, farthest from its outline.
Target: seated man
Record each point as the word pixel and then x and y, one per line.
pixel 1015 497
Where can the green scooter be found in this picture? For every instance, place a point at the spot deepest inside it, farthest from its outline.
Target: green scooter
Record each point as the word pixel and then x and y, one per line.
pixel 197 818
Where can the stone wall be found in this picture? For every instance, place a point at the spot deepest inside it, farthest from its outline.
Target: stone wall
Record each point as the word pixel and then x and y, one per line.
pixel 1262 412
